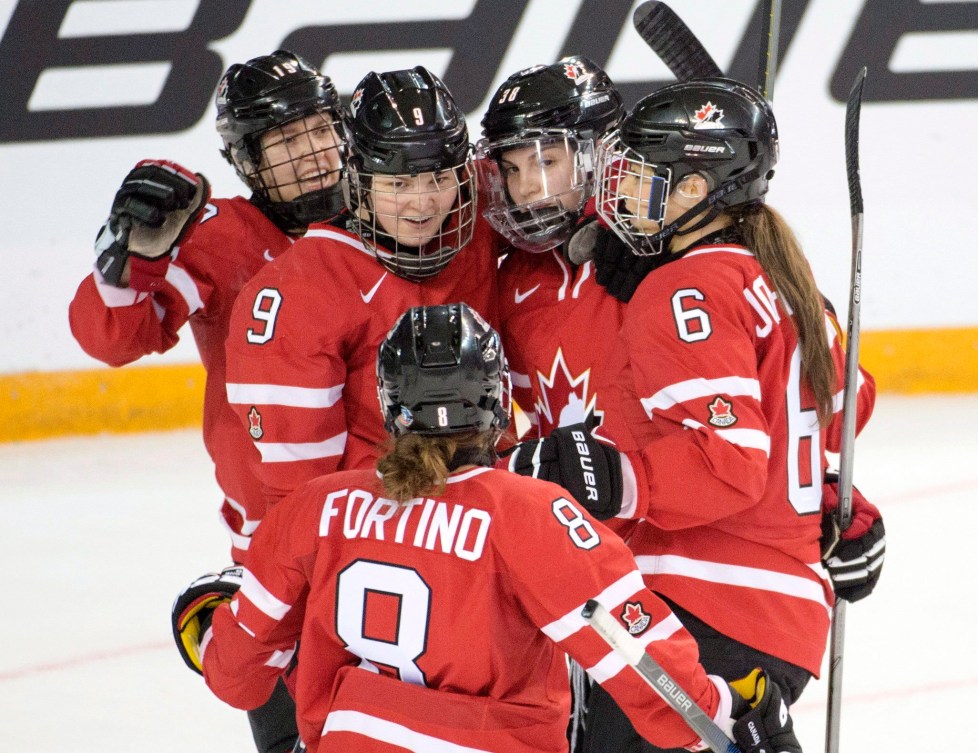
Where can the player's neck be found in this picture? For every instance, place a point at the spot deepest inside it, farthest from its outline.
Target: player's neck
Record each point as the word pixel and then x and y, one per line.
pixel 679 243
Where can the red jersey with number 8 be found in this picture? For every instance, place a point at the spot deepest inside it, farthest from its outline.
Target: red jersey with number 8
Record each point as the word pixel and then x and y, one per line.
pixel 470 597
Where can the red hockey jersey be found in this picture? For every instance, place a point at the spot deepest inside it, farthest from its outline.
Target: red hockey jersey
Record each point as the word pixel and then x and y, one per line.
pixel 726 433
pixel 471 597
pixel 232 240
pixel 302 349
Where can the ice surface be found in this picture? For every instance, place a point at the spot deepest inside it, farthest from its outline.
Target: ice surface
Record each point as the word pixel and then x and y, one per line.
pixel 97 535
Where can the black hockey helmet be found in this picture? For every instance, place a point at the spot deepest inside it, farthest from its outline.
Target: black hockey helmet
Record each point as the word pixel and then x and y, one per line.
pixel 405 123
pixel 551 114
pixel 717 127
pixel 574 94
pixel 268 92
pixel 440 371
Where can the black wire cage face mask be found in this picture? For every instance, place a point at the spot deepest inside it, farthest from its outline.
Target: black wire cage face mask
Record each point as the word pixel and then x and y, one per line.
pixel 415 224
pixel 296 167
pixel 631 195
pixel 536 186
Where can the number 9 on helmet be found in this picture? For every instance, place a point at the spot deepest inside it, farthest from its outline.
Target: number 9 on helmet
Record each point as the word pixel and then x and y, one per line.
pixel 441 371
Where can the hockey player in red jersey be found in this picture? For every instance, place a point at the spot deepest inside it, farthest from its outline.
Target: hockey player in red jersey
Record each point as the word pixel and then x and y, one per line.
pixel 421 596
pixel 304 330
pixel 730 378
pixel 279 120
pixel 167 256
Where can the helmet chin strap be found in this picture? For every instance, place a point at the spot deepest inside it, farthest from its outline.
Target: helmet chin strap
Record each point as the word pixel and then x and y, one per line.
pixel 709 203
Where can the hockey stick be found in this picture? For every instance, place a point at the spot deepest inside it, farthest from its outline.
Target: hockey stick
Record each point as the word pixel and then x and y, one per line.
pixel 671 39
pixel 770 31
pixel 850 390
pixel 633 652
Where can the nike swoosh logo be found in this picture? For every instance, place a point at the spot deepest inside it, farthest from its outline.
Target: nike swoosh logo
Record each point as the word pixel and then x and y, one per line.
pixel 520 297
pixel 367 297
pixel 268 255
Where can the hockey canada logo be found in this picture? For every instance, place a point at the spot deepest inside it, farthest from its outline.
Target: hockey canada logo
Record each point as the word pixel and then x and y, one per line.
pixel 356 100
pixel 721 413
pixel 254 424
pixel 405 419
pixel 707 117
pixel 575 72
pixel 635 617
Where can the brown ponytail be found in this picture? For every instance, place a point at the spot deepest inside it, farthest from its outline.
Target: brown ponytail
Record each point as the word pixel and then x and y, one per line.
pixel 777 249
pixel 416 465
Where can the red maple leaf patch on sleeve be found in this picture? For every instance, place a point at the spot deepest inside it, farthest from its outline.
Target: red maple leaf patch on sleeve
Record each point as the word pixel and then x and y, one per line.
pixel 635 617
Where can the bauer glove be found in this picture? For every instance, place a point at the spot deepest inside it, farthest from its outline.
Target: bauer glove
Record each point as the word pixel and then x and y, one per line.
pixel 616 268
pixel 194 608
pixel 853 557
pixel 761 722
pixel 585 467
pixel 152 210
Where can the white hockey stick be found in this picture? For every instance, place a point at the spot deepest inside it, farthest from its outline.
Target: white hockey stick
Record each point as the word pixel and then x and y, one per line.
pixel 633 652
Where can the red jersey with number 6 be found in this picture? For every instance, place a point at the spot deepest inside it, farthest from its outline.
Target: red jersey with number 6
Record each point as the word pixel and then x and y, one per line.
pixel 457 595
pixel 717 412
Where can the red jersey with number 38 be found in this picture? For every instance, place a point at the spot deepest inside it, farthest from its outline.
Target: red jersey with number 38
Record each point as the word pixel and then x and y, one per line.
pixel 723 424
pixel 471 597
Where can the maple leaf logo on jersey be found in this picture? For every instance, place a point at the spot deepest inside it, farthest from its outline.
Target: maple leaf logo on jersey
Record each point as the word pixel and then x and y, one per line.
pixel 565 399
pixel 254 424
pixel 707 117
pixel 635 617
pixel 575 72
pixel 721 412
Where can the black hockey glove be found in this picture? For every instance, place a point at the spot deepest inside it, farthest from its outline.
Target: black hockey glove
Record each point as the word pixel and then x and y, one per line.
pixel 571 457
pixel 854 557
pixel 194 607
pixel 616 268
pixel 761 722
pixel 152 210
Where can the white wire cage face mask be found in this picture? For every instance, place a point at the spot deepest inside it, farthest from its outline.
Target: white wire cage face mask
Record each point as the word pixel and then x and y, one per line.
pixel 415 224
pixel 536 186
pixel 631 195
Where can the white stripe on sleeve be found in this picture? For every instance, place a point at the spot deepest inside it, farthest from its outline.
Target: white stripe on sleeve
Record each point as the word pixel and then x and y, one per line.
pixel 613 662
pixel 389 732
pixel 693 389
pixel 277 394
pixel 288 452
pixel 258 595
pixel 614 594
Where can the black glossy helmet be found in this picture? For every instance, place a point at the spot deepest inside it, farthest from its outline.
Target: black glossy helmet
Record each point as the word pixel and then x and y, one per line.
pixel 547 119
pixel 440 371
pixel 263 95
pixel 716 127
pixel 406 124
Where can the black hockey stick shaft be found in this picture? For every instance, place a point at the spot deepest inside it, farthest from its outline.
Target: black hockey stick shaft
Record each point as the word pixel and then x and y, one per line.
pixel 672 40
pixel 633 652
pixel 850 390
pixel 770 33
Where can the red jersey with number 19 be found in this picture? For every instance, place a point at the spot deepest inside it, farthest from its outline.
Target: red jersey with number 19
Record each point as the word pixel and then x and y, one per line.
pixel 230 242
pixel 724 424
pixel 458 596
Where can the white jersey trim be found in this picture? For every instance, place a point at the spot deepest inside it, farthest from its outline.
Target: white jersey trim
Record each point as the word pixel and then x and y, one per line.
pixel 519 380
pixel 336 235
pixel 113 297
pixel 613 663
pixel 286 452
pixel 733 575
pixel 276 394
pixel 392 733
pixel 180 279
pixel 258 595
pixel 752 439
pixel 466 475
pixel 614 594
pixel 280 659
pixel 719 250
pixel 693 389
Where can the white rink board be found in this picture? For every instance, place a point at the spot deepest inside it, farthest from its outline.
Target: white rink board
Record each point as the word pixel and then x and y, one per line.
pixel 918 156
